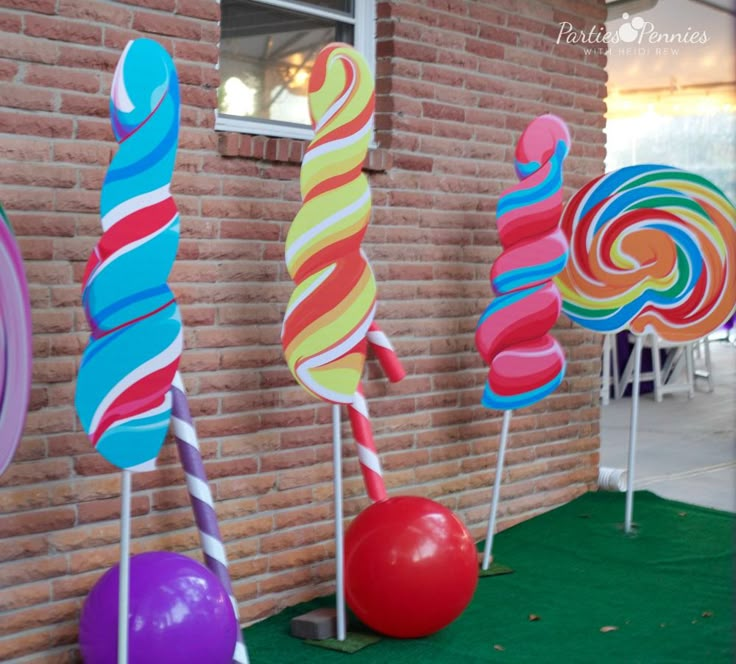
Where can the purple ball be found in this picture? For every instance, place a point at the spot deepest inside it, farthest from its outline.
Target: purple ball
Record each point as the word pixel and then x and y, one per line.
pixel 179 612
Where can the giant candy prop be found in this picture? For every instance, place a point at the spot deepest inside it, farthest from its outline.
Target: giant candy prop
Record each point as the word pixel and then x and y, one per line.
pixel 180 610
pixel 124 388
pixel 327 329
pixel 15 344
pixel 411 566
pixel 333 304
pixel 525 362
pixel 653 249
pixel 328 323
pixel 329 319
pixel 128 366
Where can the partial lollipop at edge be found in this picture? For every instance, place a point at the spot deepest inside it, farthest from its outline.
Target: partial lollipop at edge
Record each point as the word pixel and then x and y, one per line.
pixel 16 344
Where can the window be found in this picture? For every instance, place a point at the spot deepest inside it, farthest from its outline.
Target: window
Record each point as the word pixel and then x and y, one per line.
pixel 267 49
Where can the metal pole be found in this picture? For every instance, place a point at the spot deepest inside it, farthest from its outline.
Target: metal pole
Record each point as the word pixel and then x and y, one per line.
pixel 635 388
pixel 496 490
pixel 339 550
pixel 124 585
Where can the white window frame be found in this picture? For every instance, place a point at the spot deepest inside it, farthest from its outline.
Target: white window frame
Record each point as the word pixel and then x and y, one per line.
pixel 364 33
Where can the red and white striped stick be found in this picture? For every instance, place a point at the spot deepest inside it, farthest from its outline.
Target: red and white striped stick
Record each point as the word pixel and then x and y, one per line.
pixel 370 464
pixel 360 423
pixel 385 353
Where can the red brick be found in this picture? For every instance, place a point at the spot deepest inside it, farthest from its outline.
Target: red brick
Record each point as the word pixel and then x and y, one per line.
pixel 20 572
pixel 25 149
pixel 23 499
pixel 209 10
pixel 23 97
pixel 93 59
pixel 78 585
pixel 37 522
pixel 40 6
pixel 39 617
pixel 284 581
pixel 24 596
pixel 104 510
pixel 8 70
pixel 63 30
pixel 57 77
pixel 173 26
pixel 50 421
pixel 83 152
pixel 28 49
pixel 37 175
pixel 10 22
pixel 163 5
pixel 95 12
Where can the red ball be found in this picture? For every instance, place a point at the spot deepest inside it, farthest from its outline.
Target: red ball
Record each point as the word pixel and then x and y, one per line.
pixel 411 567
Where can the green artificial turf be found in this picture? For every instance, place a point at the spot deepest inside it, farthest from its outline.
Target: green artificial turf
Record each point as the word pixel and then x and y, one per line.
pixel 581 591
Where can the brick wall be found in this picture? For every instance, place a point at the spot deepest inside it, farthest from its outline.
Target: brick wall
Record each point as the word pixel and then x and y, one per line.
pixel 457 82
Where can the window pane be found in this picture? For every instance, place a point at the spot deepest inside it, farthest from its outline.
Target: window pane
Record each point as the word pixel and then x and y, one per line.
pixel 266 56
pixel 344 6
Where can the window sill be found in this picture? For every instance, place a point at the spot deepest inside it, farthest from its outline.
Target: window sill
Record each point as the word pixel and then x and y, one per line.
pixel 286 150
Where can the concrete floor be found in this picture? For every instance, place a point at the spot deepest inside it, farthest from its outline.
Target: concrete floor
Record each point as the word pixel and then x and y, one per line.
pixel 686 448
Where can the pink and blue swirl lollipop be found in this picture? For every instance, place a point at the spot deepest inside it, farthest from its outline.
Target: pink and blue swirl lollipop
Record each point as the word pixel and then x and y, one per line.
pixel 525 362
pixel 123 389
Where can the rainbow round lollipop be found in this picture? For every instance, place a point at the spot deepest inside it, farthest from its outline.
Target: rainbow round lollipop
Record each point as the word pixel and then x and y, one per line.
pixel 123 389
pixel 652 248
pixel 15 344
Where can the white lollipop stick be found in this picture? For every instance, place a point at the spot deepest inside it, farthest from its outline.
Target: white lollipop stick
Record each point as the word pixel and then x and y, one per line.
pixel 496 490
pixel 339 545
pixel 632 435
pixel 124 584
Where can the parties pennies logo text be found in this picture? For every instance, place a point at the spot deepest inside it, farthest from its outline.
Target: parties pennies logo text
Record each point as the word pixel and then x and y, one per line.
pixel 634 37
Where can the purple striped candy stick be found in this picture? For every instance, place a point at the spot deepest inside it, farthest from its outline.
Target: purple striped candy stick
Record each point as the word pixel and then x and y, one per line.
pixel 201 497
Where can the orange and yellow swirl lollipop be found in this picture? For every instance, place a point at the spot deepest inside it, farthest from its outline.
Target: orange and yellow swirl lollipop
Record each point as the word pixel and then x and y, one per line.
pixel 333 304
pixel 329 324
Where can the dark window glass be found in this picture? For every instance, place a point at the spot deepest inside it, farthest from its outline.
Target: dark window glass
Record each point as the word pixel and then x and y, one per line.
pixel 266 57
pixel 344 6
